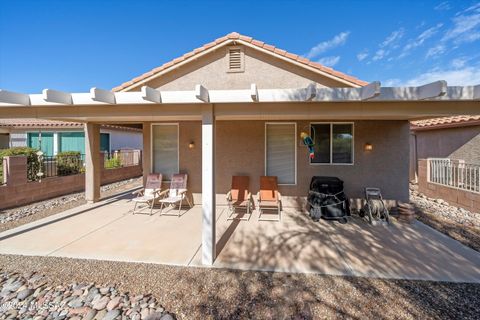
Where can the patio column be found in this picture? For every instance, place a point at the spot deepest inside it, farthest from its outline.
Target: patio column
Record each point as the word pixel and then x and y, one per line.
pixel 208 185
pixel 147 150
pixel 92 162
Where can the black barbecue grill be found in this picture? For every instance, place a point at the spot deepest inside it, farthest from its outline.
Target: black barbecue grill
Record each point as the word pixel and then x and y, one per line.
pixel 327 200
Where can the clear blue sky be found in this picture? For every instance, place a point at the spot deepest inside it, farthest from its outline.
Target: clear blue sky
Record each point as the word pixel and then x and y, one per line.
pixel 75 45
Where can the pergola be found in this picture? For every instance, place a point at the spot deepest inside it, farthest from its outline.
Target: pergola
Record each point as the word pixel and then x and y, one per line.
pixel 372 102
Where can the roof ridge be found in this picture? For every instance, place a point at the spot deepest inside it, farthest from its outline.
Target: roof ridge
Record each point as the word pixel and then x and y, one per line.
pixel 257 43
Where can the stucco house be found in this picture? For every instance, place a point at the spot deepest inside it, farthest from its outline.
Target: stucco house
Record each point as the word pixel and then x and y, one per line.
pixel 456 138
pixel 237 106
pixel 58 136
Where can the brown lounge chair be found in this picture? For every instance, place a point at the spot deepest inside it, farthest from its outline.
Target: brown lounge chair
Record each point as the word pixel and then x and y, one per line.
pixel 269 198
pixel 239 196
pixel 176 194
pixel 149 194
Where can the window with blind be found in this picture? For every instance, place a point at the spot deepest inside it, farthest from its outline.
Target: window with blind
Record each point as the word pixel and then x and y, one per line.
pixel 333 143
pixel 165 149
pixel 280 152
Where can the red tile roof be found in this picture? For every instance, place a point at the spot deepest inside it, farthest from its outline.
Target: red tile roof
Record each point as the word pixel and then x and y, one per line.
pixel 256 43
pixel 42 123
pixel 19 123
pixel 455 121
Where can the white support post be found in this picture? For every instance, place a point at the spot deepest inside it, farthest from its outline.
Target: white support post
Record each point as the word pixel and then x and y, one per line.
pixel 56 96
pixel 476 92
pixel 102 95
pixel 151 94
pixel 254 92
pixel 311 92
pixel 432 90
pixel 370 91
pixel 92 162
pixel 14 98
pixel 201 93
pixel 208 185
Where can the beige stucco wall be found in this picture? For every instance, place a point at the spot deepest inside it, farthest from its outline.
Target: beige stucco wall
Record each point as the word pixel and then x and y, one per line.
pixel 260 68
pixel 461 143
pixel 240 150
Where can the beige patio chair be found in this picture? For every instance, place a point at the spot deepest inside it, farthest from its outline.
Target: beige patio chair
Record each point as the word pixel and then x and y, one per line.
pixel 176 194
pixel 150 193
pixel 239 196
pixel 269 199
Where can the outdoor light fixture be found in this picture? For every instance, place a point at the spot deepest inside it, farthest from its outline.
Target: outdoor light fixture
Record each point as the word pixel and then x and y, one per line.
pixel 191 145
pixel 368 147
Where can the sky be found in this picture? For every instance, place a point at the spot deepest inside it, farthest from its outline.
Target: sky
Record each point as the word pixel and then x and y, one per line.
pixel 75 45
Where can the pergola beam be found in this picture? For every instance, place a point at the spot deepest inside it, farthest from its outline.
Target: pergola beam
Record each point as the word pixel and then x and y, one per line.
pixel 254 92
pixel 476 92
pixel 201 93
pixel 432 90
pixel 56 96
pixel 101 95
pixel 311 92
pixel 150 94
pixel 11 97
pixel 370 91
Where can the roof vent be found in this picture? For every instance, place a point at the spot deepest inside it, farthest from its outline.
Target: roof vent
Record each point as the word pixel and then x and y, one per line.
pixel 235 59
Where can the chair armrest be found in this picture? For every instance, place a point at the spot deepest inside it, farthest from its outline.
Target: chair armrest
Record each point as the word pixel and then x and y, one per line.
pixel 229 196
pixel 163 193
pixel 258 197
pixel 279 196
pixel 139 192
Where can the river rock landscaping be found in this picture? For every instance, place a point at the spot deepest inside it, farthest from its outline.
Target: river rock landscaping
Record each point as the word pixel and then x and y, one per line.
pixel 458 223
pixel 31 296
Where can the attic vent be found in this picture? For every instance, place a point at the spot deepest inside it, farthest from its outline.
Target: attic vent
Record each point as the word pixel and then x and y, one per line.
pixel 235 59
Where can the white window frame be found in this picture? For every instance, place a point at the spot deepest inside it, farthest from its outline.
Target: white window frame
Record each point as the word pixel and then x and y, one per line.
pixel 331 145
pixel 178 143
pixel 295 147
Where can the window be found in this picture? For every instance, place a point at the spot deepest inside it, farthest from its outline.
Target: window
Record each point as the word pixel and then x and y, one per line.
pixel 333 143
pixel 235 59
pixel 165 149
pixel 280 152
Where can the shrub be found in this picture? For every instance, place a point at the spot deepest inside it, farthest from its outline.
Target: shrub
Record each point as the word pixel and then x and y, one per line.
pixel 69 163
pixel 113 163
pixel 32 161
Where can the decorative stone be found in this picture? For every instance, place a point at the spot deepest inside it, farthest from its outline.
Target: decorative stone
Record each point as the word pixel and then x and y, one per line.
pixel 101 304
pixel 112 314
pixel 24 294
pixel 113 303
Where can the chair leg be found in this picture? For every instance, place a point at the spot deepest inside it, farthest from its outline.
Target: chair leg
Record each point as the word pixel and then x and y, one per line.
pixel 151 207
pixel 135 208
pixel 180 207
pixel 161 207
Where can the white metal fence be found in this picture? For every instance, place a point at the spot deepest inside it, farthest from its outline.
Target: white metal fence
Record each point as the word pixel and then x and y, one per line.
pixel 454 173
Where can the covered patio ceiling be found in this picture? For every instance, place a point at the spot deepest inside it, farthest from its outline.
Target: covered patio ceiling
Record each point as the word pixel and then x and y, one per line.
pixel 369 102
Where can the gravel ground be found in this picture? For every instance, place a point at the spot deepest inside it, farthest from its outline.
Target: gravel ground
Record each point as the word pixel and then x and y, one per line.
pixel 14 217
pixel 201 293
pixel 457 223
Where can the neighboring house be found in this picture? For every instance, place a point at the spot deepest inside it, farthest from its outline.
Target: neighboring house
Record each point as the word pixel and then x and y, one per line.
pixel 456 138
pixel 58 136
pixel 237 106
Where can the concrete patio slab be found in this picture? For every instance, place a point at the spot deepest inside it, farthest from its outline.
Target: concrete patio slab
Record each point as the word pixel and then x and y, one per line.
pixel 109 231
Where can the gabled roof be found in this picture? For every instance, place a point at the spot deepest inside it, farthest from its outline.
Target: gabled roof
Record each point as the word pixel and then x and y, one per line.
pixel 445 122
pixel 238 38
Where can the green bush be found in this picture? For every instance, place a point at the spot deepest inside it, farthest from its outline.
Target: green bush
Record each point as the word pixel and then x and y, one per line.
pixel 112 163
pixel 69 163
pixel 32 160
